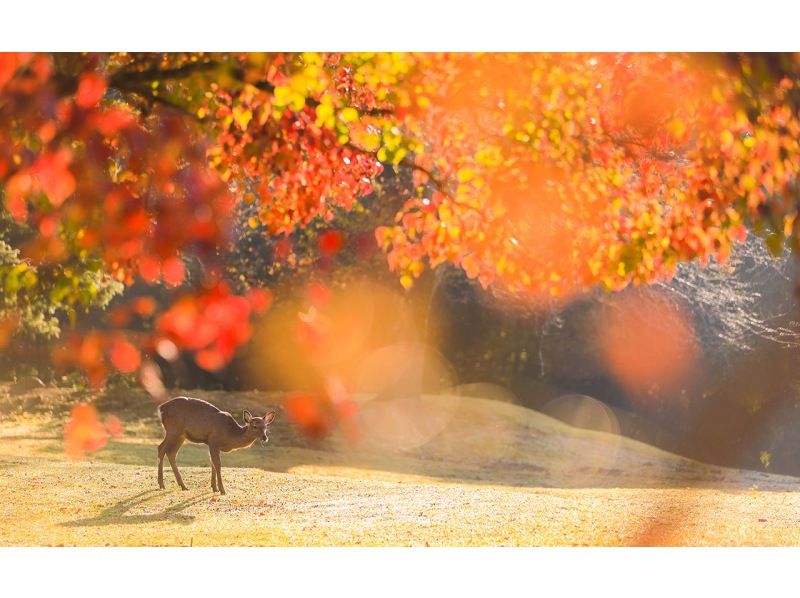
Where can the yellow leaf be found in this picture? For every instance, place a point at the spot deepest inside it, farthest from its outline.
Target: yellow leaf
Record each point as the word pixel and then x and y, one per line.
pixel 677 127
pixel 371 141
pixel 399 155
pixel 749 182
pixel 242 117
pixel 325 115
pixel 348 114
pixel 298 100
pixel 465 175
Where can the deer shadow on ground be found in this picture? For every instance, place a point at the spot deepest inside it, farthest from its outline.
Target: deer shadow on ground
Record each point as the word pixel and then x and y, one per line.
pixel 119 513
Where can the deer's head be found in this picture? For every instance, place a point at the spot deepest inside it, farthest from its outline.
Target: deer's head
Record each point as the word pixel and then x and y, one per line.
pixel 258 427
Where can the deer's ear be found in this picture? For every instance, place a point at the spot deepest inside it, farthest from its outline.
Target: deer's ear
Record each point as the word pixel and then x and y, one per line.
pixel 247 416
pixel 269 417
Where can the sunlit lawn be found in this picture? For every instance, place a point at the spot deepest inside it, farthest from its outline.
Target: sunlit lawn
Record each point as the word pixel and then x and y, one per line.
pixel 497 475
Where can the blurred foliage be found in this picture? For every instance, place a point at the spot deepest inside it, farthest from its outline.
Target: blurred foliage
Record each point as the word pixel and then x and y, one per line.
pixel 38 297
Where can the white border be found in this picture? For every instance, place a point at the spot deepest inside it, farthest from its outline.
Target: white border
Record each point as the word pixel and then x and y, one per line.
pixel 423 25
pixel 388 572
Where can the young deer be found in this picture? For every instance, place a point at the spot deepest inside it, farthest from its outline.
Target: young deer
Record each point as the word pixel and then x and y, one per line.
pixel 199 421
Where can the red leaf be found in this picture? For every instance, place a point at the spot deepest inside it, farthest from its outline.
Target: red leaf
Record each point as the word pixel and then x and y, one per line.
pixel 9 62
pixel 330 242
pixel 319 295
pixel 115 427
pixel 260 300
pixel 17 207
pixel 111 121
pixel 144 306
pixel 282 249
pixel 150 269
pixel 173 271
pixel 91 88
pixel 119 316
pixel 7 328
pixel 210 360
pixel 48 226
pixel 55 178
pixel 306 412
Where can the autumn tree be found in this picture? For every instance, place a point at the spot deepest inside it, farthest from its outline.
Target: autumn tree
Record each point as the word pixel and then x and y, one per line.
pixel 540 175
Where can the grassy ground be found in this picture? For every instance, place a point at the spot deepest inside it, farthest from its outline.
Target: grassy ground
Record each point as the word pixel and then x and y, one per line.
pixel 489 474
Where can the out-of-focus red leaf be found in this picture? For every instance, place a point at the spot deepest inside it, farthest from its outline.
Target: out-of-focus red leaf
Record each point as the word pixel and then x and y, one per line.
pixel 9 62
pixel 125 357
pixel 330 242
pixel 53 174
pixel 260 300
pixel 84 433
pixel 306 411
pixel 282 249
pixel 90 352
pixel 7 328
pixel 48 226
pixel 319 295
pixel 114 426
pixel 17 208
pixel 210 360
pixel 119 316
pixel 111 121
pixel 144 306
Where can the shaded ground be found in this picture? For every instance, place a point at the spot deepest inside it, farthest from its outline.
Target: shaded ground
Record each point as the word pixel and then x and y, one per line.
pixel 460 471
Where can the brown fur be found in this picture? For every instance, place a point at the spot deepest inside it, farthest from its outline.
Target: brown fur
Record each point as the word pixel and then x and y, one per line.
pixel 199 421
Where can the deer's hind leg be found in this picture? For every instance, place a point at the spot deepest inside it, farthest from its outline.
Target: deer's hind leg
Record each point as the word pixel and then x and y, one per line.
pixel 213 470
pixel 217 466
pixel 171 449
pixel 162 450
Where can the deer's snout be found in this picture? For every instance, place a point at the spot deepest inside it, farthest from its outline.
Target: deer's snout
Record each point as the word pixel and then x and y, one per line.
pixel 264 437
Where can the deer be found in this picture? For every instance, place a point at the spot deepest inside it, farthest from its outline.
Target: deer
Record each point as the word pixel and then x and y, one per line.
pixel 196 420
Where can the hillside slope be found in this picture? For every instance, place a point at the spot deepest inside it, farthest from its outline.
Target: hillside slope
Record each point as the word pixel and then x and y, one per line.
pixel 454 471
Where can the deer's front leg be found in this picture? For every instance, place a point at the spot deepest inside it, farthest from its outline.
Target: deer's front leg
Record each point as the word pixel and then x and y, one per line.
pixel 214 452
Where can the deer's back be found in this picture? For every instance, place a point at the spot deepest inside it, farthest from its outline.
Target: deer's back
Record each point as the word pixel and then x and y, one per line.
pixel 195 418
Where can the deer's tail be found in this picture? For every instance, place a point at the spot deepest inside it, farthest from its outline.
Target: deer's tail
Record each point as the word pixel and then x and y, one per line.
pixel 161 410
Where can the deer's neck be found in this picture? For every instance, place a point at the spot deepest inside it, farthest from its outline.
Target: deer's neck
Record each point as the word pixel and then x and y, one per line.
pixel 240 438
